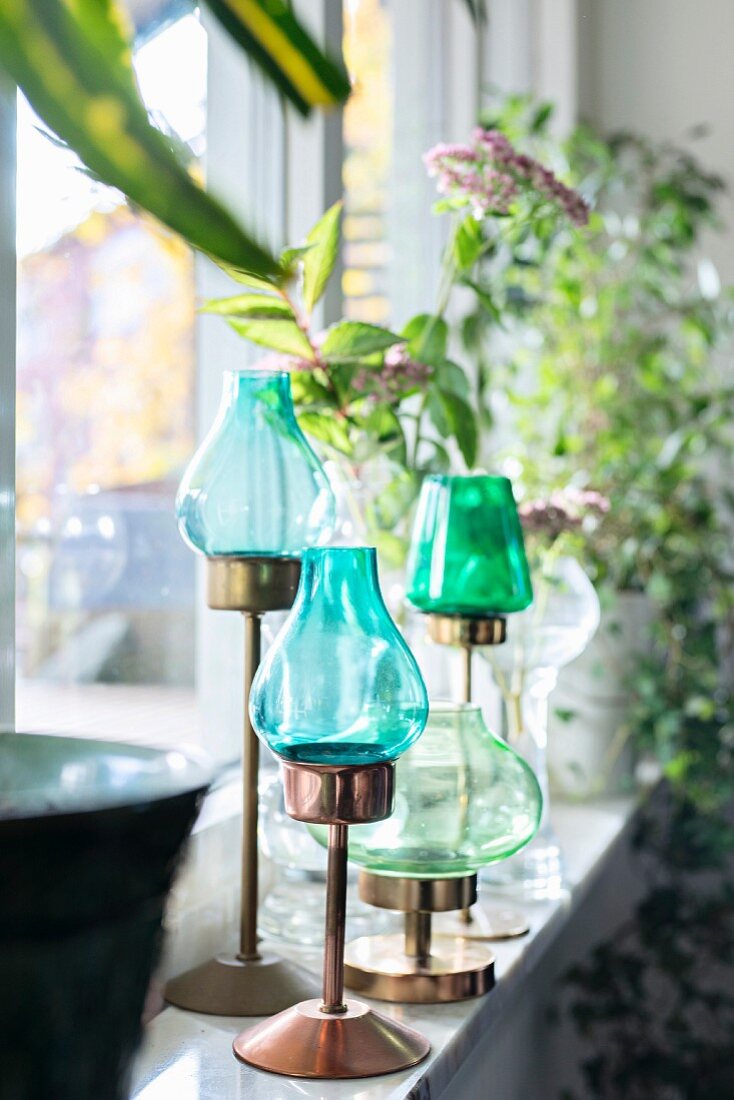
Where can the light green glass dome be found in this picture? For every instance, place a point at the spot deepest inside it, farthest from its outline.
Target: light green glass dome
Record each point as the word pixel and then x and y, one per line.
pixel 463 799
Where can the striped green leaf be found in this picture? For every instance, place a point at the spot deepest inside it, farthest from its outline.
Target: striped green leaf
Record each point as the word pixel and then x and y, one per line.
pixel 272 36
pixel 71 60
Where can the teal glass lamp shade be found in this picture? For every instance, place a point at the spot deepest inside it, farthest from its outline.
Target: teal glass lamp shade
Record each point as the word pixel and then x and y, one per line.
pixel 339 685
pixel 463 799
pixel 255 486
pixel 467 555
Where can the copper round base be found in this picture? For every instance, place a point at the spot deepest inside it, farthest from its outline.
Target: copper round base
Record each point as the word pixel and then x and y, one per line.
pixel 488 924
pixel 466 630
pixel 252 584
pixel 226 986
pixel 456 970
pixel 306 1042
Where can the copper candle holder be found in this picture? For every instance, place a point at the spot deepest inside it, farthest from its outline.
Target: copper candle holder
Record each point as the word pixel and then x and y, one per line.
pixel 250 983
pixel 332 1037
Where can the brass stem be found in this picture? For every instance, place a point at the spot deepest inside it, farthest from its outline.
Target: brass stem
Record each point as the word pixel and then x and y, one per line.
pixel 336 911
pixel 467 653
pixel 466 916
pixel 250 767
pixel 418 935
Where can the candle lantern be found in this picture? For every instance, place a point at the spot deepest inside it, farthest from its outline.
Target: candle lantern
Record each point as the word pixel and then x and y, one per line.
pixel 467 571
pixel 254 497
pixel 338 698
pixel 464 799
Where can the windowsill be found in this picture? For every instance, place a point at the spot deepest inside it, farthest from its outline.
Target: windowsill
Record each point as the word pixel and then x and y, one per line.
pixel 189 1054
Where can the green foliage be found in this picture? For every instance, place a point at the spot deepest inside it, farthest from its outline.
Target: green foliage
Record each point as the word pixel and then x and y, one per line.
pixel 73 62
pixel 270 34
pixel 376 400
pixel 611 367
pixel 319 260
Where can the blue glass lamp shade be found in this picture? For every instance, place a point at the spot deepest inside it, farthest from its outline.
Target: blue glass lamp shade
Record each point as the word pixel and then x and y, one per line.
pixel 339 685
pixel 467 555
pixel 255 486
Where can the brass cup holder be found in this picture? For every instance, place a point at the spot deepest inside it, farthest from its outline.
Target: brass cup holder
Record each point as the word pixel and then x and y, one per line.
pixel 466 632
pixel 409 967
pixel 334 1037
pixel 250 983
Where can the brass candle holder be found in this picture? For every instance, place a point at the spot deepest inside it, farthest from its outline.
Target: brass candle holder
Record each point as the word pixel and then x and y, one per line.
pixel 332 1037
pixel 410 967
pixel 251 982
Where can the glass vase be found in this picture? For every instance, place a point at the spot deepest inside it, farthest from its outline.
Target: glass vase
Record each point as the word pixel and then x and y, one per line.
pixel 541 640
pixel 255 487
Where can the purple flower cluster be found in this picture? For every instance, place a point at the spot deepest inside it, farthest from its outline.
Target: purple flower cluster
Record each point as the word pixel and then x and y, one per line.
pixel 489 174
pixel 564 510
pixel 398 374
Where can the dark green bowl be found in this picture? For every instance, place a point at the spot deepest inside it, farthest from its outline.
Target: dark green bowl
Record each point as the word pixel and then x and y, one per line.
pixel 91 833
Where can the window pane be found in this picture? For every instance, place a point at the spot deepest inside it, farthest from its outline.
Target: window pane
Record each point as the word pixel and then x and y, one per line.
pixel 105 409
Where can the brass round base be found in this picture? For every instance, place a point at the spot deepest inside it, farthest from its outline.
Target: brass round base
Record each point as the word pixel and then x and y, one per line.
pixel 466 630
pixel 226 986
pixel 487 924
pixel 306 1042
pixel 252 584
pixel 456 970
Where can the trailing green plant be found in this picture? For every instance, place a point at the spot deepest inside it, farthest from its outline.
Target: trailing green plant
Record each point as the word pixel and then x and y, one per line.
pixel 606 355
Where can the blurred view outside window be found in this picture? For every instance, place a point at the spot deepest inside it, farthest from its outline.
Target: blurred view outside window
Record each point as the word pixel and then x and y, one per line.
pixel 105 424
pixel 368 128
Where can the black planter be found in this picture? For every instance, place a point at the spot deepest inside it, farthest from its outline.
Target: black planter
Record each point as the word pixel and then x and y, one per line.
pixel 90 837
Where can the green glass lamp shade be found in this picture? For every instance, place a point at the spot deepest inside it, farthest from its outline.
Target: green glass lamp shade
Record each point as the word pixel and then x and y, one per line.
pixel 467 555
pixel 463 799
pixel 339 685
pixel 255 486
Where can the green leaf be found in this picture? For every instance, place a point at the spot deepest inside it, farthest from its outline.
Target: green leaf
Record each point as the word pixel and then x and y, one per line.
pixel 252 306
pixel 249 278
pixel 355 339
pixel 426 335
pixel 274 39
pixel 385 428
pixel 457 419
pixel 319 260
pixel 290 256
pixel 281 335
pixel 73 64
pixel 468 243
pixel 328 428
pixel 450 376
pixel 307 390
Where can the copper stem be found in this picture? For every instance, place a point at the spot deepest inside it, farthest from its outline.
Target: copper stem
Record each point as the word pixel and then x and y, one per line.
pixel 250 762
pixel 336 911
pixel 418 935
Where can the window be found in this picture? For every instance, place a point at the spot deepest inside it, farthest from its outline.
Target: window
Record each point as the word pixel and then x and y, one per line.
pixel 117 378
pixel 105 588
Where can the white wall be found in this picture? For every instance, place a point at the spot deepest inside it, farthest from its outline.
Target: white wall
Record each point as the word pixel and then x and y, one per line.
pixel 661 67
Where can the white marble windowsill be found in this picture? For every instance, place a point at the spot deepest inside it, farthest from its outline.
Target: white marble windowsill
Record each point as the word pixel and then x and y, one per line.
pixel 188 1056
